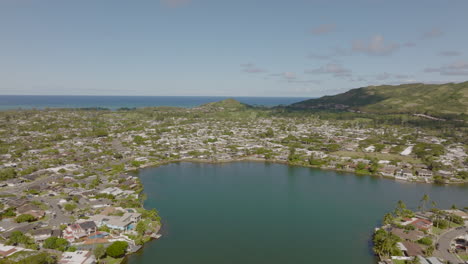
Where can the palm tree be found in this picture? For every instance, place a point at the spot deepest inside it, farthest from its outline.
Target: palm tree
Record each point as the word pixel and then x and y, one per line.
pixel 385 243
pixel 424 200
pixel 401 206
pixel 388 218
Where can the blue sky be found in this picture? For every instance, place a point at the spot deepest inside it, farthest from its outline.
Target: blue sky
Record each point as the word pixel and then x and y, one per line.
pixel 228 48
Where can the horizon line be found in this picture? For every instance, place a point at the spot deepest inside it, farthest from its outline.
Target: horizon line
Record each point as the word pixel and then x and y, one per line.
pixel 227 96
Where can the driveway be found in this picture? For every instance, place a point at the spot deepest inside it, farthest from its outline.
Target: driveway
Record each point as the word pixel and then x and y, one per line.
pixel 444 245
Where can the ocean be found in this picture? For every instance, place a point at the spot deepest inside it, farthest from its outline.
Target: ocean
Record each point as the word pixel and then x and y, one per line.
pixel 9 102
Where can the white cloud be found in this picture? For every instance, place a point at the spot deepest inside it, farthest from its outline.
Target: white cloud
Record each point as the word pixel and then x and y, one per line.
pixel 289 75
pixel 450 53
pixel 375 46
pixel 251 68
pixel 337 70
pixel 455 68
pixel 433 33
pixel 323 29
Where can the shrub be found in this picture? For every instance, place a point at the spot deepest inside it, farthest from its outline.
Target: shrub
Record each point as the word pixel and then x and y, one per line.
pixel 70 206
pixel 425 241
pixel 117 249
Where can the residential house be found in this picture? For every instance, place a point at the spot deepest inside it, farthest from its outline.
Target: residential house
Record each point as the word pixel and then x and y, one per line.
pixel 421 224
pixel 77 257
pixel 79 230
pixel 445 174
pixel 424 173
pixel 41 234
pixel 31 209
pixel 403 174
pixel 409 235
pixel 6 251
pixel 123 223
pixel 410 249
pixel 388 171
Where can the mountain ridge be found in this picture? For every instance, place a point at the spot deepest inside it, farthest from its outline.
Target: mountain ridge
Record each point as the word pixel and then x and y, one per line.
pixel 448 98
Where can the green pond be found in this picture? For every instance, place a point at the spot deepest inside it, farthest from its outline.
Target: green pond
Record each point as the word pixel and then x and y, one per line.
pixel 251 212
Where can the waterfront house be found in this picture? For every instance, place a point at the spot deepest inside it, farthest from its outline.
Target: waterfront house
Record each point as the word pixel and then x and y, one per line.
pixel 424 173
pixel 388 171
pixel 77 257
pixel 445 174
pixel 409 235
pixel 421 224
pixel 410 249
pixel 79 230
pixel 403 174
pixel 123 223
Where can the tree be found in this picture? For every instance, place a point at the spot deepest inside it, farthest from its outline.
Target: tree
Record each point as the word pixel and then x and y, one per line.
pixel 117 249
pixel 424 201
pixel 70 206
pixel 56 243
pixel 388 218
pixel 401 206
pixel 41 258
pixel 141 227
pixel 385 243
pixel 425 241
pixel 17 237
pixel 24 218
pixel 429 250
pixel 99 251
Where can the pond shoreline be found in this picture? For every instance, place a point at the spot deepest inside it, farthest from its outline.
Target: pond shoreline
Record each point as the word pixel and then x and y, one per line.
pixel 261 160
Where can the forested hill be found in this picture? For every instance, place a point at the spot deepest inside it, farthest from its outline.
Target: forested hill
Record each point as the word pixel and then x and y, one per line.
pixel 417 98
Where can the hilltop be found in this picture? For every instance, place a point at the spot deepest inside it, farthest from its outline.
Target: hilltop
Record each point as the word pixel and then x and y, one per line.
pixel 437 99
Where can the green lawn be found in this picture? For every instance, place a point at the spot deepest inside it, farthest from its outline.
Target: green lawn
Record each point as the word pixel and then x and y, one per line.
pixel 396 261
pixel 464 257
pixel 437 231
pixel 109 260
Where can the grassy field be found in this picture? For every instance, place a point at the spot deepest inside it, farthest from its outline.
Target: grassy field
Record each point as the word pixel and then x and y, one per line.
pixel 110 260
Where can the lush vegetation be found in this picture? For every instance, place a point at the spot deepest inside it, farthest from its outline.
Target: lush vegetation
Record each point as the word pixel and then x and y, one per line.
pixel 56 243
pixel 117 249
pixel 432 99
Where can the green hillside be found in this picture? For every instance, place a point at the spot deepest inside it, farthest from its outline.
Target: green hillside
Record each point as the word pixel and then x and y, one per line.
pixel 436 99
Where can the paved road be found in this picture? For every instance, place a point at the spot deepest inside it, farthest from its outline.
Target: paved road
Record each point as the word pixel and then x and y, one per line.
pixel 444 245
pixel 60 216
